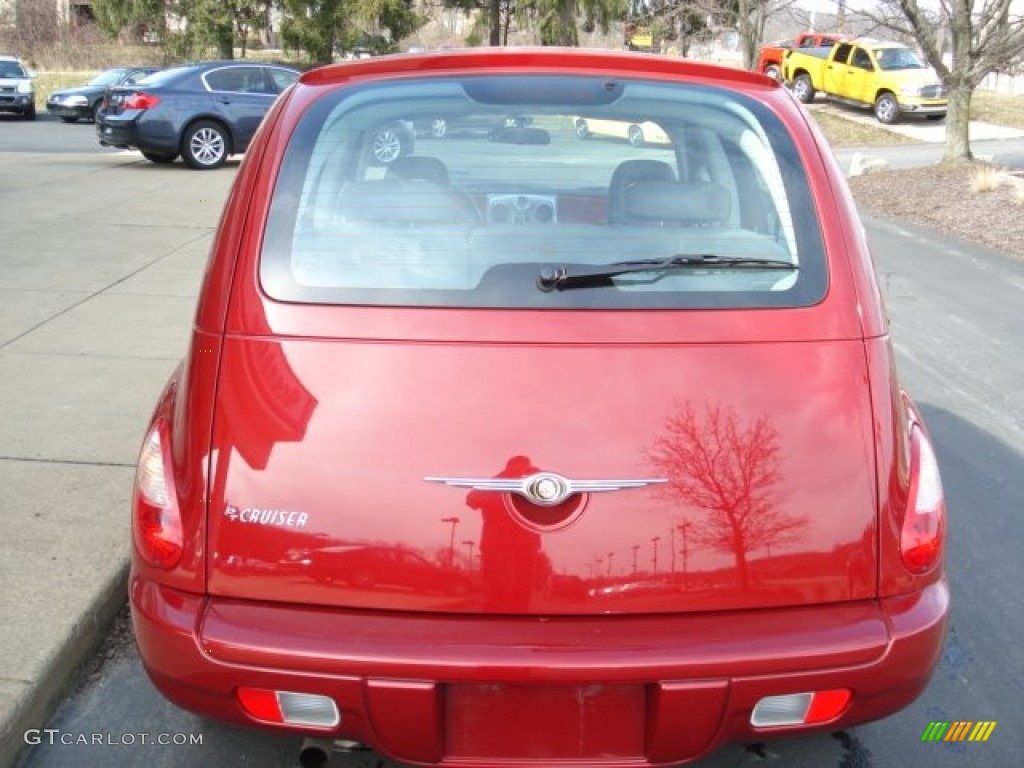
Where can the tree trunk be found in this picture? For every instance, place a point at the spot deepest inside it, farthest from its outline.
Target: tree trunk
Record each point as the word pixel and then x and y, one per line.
pixel 225 41
pixel 739 548
pixel 567 34
pixel 958 146
pixel 750 28
pixel 495 14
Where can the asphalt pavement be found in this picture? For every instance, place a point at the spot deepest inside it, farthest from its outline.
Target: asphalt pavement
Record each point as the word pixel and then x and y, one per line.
pixel 95 307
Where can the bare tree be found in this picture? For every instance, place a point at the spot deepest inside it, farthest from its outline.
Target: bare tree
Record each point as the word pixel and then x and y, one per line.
pixel 980 36
pixel 728 469
pixel 750 16
pixel 688 18
pixel 36 23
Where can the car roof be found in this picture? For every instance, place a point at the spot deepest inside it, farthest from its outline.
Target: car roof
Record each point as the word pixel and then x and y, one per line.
pixel 177 71
pixel 548 59
pixel 202 67
pixel 215 63
pixel 871 42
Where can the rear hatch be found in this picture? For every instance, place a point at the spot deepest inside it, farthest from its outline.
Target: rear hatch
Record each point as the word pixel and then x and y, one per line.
pixel 357 474
pixel 416 412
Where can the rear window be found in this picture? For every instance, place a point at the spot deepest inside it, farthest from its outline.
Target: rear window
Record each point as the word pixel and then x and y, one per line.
pixel 166 76
pixel 542 192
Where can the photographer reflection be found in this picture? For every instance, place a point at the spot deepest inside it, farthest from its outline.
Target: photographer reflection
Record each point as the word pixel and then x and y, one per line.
pixel 511 558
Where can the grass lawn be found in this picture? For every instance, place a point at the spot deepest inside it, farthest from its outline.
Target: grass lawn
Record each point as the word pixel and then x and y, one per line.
pixel 48 82
pixel 986 106
pixel 841 132
pixel 999 108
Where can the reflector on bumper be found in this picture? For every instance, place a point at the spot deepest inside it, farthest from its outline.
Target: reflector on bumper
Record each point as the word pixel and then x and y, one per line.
pixel 288 707
pixel 799 708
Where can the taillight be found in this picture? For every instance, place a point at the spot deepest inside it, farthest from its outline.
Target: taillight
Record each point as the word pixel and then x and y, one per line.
pixel 140 101
pixel 157 521
pixel 924 524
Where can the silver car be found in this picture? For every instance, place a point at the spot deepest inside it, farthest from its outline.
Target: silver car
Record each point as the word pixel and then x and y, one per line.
pixel 17 93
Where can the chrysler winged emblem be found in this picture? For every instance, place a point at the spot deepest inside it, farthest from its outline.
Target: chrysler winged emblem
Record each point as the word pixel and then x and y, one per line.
pixel 545 489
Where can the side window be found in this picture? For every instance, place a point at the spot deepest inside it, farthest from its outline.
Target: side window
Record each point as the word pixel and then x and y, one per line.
pixel 842 54
pixel 223 80
pixel 253 80
pixel 258 81
pixel 281 78
pixel 861 60
pixel 757 213
pixel 808 42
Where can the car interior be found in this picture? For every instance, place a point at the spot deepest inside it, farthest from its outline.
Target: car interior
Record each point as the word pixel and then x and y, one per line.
pixel 462 212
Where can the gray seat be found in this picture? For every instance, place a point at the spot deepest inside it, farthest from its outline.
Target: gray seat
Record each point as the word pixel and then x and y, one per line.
pixel 628 173
pixel 419 168
pixel 416 170
pixel 399 201
pixel 677 203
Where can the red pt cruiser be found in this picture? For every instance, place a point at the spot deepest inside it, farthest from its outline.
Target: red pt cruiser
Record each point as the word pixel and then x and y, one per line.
pixel 533 448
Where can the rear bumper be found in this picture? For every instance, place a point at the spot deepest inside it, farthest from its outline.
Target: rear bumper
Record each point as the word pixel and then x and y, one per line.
pixel 134 131
pixel 601 691
pixel 116 133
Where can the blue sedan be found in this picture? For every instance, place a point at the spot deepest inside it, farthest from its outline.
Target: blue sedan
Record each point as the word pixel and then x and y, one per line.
pixel 203 113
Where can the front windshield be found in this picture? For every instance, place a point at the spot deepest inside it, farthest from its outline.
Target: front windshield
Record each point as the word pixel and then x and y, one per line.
pixel 897 58
pixel 12 69
pixel 461 192
pixel 110 77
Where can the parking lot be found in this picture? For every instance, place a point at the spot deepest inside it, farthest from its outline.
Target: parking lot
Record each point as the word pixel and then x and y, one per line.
pixel 101 257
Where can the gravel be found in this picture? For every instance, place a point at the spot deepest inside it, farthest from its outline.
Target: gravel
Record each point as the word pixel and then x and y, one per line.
pixel 943 197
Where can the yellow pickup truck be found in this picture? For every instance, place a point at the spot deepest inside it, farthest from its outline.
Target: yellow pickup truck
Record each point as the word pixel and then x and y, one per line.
pixel 888 77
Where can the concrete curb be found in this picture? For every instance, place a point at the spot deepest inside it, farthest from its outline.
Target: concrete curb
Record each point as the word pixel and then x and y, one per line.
pixel 59 673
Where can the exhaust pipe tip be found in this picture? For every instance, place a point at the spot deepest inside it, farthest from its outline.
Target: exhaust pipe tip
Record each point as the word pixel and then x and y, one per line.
pixel 315 753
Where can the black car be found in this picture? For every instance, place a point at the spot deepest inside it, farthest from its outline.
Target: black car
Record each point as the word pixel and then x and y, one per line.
pixel 83 102
pixel 202 112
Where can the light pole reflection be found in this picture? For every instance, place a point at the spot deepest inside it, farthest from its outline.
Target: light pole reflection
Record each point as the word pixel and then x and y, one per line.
pixel 451 544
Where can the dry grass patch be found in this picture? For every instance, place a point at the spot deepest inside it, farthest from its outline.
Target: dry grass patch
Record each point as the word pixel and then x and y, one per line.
pixel 987 178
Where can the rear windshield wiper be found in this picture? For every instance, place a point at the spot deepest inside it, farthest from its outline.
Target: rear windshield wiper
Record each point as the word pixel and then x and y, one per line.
pixel 560 278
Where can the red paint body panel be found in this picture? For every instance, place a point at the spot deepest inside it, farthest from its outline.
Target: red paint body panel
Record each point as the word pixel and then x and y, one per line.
pixel 351 430
pixel 703 671
pixel 467 627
